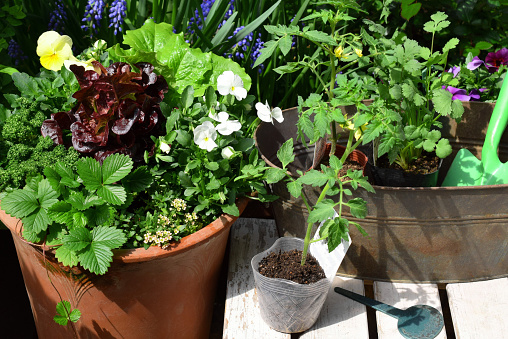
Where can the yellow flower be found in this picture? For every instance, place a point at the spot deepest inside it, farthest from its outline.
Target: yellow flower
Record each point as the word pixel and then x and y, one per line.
pixel 339 52
pixel 358 52
pixel 54 49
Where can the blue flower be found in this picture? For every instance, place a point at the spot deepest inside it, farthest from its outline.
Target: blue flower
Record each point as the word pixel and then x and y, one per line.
pixel 93 15
pixel 57 17
pixel 15 52
pixel 117 14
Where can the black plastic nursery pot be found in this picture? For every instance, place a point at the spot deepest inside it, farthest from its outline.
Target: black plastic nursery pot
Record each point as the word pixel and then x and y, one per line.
pixel 416 234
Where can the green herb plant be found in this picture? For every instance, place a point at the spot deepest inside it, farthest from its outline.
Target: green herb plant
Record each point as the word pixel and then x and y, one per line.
pixel 337 52
pixel 334 185
pixel 410 78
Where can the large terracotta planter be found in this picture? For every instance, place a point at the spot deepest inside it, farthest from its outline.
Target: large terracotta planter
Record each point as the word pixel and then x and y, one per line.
pixel 150 293
pixel 416 234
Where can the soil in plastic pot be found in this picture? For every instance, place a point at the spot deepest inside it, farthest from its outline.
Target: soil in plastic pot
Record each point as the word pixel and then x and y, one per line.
pixel 287 265
pixel 423 172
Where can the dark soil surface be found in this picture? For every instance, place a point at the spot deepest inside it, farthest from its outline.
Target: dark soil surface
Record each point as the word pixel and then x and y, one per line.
pixel 426 164
pixel 287 265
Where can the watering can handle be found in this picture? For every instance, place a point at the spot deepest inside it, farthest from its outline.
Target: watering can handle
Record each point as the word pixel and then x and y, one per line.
pixel 495 130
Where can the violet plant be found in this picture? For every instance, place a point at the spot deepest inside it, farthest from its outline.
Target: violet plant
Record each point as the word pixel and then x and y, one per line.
pixel 479 80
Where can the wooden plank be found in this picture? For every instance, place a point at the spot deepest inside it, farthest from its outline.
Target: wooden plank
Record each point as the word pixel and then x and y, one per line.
pixel 341 317
pixel 242 318
pixel 403 295
pixel 479 308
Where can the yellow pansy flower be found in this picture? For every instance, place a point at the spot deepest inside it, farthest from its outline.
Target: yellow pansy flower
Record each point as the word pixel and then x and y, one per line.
pixel 86 64
pixel 53 49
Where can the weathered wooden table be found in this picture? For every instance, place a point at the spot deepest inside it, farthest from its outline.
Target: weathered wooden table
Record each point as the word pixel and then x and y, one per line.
pixel 473 310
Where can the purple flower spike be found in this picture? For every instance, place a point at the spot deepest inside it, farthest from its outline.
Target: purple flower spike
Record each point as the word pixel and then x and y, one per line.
pixel 495 59
pixel 474 64
pixel 455 70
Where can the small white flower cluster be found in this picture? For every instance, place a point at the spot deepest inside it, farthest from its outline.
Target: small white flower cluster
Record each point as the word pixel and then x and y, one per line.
pixel 179 204
pixel 229 83
pixel 160 238
pixel 190 218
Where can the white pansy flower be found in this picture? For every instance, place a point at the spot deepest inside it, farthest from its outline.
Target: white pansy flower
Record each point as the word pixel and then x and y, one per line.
pixel 267 115
pixel 165 147
pixel 230 83
pixel 225 127
pixel 205 135
pixel 227 152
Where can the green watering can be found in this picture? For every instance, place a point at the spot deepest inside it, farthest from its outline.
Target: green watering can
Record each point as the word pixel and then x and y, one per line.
pixel 466 169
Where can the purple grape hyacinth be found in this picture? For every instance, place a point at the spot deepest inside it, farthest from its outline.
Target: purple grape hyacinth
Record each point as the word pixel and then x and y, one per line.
pixel 93 15
pixel 57 17
pixel 15 52
pixel 117 14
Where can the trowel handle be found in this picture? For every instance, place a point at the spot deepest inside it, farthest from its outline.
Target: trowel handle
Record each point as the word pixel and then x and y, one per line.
pixel 377 305
pixel 497 125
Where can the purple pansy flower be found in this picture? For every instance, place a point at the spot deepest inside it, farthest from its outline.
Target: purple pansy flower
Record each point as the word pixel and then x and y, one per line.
pixel 474 64
pixel 495 59
pixel 461 94
pixel 475 93
pixel 455 70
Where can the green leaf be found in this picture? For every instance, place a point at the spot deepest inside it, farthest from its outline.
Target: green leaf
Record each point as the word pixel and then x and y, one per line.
pixel 442 100
pixel 66 256
pixel 113 194
pixel 187 97
pixel 322 211
pixel 457 109
pixel 294 188
pixel 231 209
pixel 285 153
pixel 268 48
pixel 61 212
pixel 285 44
pixel 109 236
pixel 64 313
pixel 77 239
pixel 409 10
pixel 443 148
pixel 452 43
pixel 20 203
pixel 335 163
pixel 37 221
pixel 274 175
pixel 89 170
pixel 138 180
pixel 336 232
pixel 115 167
pixel 314 178
pixel 319 36
pixel 358 207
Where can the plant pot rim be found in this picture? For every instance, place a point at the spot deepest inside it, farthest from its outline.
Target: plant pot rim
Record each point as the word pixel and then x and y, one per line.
pixel 459 189
pixel 155 252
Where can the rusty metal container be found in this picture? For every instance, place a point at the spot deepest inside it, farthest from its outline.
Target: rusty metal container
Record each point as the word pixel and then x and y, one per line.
pixel 416 234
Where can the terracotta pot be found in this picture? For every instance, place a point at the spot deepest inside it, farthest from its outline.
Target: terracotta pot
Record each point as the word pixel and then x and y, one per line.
pixel 152 293
pixel 416 234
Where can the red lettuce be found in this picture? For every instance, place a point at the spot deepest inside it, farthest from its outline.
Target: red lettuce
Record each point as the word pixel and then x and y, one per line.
pixel 117 111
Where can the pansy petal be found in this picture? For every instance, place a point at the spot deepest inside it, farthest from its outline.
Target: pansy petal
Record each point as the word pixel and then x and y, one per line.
pixel 277 114
pixel 225 82
pixel 45 43
pixel 222 117
pixel 240 93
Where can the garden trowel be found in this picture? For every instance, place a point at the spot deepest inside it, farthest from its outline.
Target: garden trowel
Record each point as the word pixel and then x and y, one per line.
pixel 466 169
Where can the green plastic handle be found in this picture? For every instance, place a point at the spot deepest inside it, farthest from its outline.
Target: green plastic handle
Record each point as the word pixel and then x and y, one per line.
pixel 497 125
